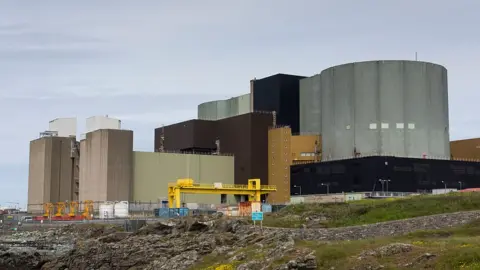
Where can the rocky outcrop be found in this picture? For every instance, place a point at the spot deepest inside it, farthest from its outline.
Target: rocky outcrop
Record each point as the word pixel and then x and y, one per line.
pixel 173 245
pixel 184 243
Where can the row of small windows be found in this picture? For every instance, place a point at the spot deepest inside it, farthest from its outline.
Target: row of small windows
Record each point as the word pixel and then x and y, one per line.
pixel 307 154
pixel 387 126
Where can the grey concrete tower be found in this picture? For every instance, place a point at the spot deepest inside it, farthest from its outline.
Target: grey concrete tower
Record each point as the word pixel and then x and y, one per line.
pixel 310 105
pixel 397 108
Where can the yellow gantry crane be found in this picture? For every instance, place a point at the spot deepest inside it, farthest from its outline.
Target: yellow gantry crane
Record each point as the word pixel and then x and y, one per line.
pixel 254 190
pixel 88 209
pixel 48 209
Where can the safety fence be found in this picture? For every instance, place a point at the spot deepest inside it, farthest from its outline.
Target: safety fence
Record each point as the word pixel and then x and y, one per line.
pixel 98 208
pixel 149 210
pixel 195 153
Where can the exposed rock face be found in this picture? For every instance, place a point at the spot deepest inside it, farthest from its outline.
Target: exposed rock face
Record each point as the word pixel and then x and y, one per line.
pixel 30 250
pixel 176 245
pixel 183 243
pixel 388 250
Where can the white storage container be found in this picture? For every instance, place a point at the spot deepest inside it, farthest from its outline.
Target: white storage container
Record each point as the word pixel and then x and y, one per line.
pixel 121 209
pixel 106 210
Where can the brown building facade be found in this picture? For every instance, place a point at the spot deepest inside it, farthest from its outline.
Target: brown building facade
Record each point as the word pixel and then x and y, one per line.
pixel 283 151
pixel 465 149
pixel 53 171
pixel 189 136
pixel 245 136
pixel 106 163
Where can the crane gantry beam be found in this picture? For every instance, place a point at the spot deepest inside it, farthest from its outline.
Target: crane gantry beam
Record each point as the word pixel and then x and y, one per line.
pixel 254 190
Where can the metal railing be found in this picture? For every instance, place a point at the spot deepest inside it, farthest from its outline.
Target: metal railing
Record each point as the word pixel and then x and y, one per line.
pixel 222 186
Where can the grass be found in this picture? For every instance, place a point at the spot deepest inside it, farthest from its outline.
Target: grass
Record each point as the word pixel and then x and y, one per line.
pixel 454 248
pixel 372 211
pixel 220 262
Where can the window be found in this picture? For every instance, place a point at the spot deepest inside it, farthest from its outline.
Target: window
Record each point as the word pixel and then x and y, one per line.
pixel 307 154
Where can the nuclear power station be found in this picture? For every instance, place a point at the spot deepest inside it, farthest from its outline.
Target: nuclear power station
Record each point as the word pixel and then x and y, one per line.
pixel 357 127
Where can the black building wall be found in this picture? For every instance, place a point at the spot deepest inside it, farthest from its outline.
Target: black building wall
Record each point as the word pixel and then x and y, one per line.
pixel 363 174
pixel 279 93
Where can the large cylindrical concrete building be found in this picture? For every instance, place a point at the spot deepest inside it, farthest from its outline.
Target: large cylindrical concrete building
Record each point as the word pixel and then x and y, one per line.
pixel 220 109
pixel 397 108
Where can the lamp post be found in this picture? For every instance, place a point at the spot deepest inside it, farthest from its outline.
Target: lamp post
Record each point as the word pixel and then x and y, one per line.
pixel 328 187
pixel 445 184
pixel 382 181
pixel 460 182
pixel 299 187
pixel 388 181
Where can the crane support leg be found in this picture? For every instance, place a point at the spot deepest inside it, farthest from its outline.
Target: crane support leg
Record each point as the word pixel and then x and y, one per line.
pixel 171 196
pixel 177 197
pixel 257 197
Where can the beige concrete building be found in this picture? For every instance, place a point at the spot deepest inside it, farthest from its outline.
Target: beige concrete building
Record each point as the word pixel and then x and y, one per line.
pixel 153 172
pixel 53 171
pixel 106 165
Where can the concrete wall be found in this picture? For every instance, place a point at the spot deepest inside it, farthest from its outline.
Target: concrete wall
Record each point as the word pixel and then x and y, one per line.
pixel 153 172
pixel 220 109
pixel 106 161
pixel 50 176
pixel 465 149
pixel 310 105
pixel 326 198
pixel 385 108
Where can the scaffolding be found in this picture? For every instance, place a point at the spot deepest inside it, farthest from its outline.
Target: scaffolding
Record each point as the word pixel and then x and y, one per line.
pixel 254 190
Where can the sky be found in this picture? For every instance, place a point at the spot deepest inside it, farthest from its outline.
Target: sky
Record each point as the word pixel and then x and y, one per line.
pixel 152 62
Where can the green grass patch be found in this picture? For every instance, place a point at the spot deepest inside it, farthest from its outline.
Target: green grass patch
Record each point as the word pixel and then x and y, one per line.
pixel 372 211
pixel 453 248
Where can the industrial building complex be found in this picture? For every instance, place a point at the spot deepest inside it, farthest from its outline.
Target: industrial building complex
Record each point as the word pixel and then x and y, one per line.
pixel 357 127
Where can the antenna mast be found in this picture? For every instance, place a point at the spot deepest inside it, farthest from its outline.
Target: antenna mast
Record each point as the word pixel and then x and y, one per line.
pixel 162 140
pixel 217 143
pixel 274 113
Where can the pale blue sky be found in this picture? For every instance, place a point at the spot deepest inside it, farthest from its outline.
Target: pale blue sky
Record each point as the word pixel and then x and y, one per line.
pixel 152 62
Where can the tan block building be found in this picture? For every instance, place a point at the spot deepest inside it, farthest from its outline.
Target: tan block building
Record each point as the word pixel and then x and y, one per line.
pixel 465 149
pixel 283 151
